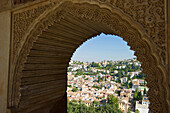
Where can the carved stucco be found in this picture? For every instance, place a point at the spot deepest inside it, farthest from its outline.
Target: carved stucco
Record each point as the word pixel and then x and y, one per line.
pixel 5 5
pixel 150 14
pixel 145 33
pixel 21 22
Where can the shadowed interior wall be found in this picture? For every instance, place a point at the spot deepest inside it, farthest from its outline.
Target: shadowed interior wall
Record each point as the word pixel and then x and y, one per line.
pixel 44 77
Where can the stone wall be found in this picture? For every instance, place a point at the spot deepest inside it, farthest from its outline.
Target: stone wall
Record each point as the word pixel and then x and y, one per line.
pixel 4 58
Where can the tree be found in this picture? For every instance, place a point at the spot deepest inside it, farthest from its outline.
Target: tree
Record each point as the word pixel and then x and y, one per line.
pixel 69 86
pixel 141 76
pixel 126 70
pixel 88 67
pixel 135 96
pixel 99 79
pixel 80 107
pixel 137 111
pixel 95 103
pixel 74 89
pixel 130 84
pixel 83 68
pixel 109 66
pixel 134 103
pixel 112 100
pixel 127 85
pixel 144 83
pixel 98 72
pixel 69 69
pixel 120 74
pixel 128 110
pixel 76 75
pixel 134 77
pixel 139 97
pixel 119 81
pixel 136 90
pixel 144 90
pixel 128 77
pixel 93 64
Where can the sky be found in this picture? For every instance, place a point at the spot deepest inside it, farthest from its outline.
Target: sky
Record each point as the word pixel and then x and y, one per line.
pixel 103 47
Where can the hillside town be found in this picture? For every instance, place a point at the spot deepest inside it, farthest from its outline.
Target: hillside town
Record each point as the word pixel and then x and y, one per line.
pixel 95 81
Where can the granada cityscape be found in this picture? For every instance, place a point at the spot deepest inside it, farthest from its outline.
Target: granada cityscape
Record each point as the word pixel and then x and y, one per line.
pixel 107 87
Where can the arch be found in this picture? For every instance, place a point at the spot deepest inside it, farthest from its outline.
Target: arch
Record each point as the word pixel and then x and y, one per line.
pixel 93 18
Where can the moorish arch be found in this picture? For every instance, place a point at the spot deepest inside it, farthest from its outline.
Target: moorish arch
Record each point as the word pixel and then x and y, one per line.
pixel 45 37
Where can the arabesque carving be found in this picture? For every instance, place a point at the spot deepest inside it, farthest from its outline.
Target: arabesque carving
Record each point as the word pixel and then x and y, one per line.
pixel 143 29
pixel 150 14
pixel 21 22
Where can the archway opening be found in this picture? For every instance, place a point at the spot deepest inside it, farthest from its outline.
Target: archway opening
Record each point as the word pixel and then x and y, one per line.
pixel 39 62
pixel 104 75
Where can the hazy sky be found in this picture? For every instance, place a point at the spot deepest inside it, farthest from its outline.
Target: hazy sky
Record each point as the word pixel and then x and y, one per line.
pixel 103 47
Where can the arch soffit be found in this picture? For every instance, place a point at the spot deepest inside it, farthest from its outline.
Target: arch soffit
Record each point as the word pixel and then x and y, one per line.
pixel 144 47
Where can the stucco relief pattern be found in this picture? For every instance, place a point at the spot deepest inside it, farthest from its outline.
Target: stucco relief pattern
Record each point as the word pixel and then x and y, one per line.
pixel 24 52
pixel 149 19
pixel 21 22
pixel 5 4
pixel 150 14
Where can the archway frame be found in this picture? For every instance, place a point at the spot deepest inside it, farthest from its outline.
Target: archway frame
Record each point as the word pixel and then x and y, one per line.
pixel 122 25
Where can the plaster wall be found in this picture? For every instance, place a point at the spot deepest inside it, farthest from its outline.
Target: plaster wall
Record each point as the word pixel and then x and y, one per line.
pixel 4 58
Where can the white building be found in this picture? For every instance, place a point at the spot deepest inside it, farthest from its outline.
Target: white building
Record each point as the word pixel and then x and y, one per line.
pixel 116 71
pixel 142 107
pixel 124 79
pixel 107 71
pixel 132 74
pixel 123 106
pixel 69 73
